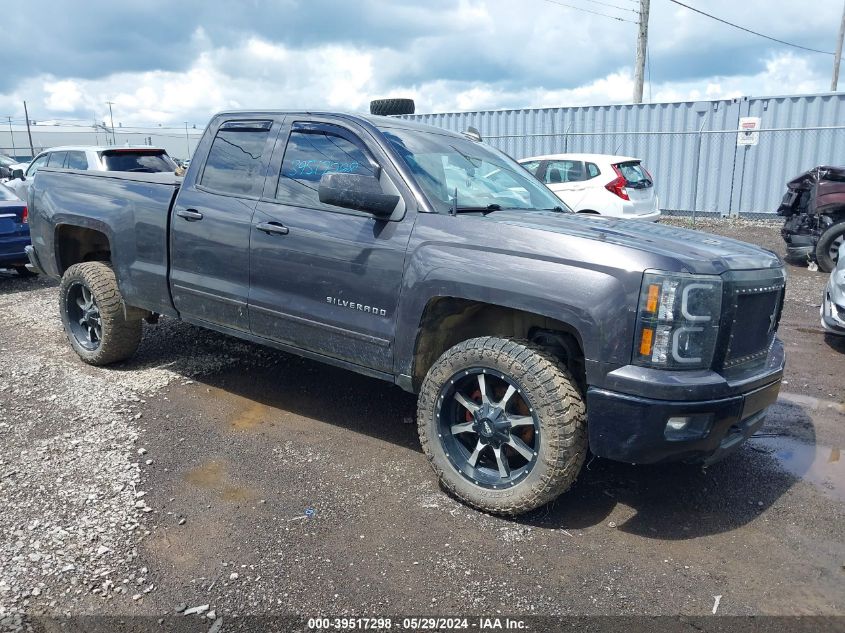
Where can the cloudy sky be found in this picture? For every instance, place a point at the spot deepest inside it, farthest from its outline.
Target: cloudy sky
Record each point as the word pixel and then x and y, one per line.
pixel 181 60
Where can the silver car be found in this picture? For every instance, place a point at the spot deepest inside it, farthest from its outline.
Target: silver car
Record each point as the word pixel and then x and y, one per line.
pixel 833 305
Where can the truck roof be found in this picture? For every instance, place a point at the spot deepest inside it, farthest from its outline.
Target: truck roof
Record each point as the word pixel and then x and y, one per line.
pixel 374 120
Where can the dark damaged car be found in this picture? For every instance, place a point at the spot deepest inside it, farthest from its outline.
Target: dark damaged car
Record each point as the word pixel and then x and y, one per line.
pixel 814 206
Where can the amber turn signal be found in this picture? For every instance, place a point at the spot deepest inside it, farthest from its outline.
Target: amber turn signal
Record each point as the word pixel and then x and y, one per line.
pixel 646 341
pixel 651 301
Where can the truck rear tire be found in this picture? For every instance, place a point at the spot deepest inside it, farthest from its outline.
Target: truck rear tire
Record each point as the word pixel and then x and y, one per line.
pixel 93 315
pixel 387 107
pixel 828 246
pixel 503 424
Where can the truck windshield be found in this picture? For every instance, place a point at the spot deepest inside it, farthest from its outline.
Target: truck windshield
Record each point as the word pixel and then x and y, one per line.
pixel 137 160
pixel 482 177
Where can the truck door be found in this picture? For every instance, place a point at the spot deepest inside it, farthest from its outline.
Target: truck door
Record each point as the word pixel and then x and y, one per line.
pixel 211 223
pixel 324 278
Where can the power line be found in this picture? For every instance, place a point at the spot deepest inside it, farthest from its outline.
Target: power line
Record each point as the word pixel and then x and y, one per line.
pixel 604 15
pixel 614 6
pixel 742 28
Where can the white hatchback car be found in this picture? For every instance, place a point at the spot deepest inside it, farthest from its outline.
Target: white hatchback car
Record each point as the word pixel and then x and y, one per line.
pixel 616 186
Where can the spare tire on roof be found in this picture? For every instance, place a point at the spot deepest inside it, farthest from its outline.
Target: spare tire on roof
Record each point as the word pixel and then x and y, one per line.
pixel 386 107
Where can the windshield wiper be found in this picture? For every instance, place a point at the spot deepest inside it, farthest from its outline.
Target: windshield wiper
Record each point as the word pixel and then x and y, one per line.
pixel 558 209
pixel 489 207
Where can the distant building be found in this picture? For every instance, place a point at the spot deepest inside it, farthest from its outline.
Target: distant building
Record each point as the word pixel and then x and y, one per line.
pixel 15 142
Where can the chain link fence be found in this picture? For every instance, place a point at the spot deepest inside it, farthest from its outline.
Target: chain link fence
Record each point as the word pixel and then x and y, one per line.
pixel 703 173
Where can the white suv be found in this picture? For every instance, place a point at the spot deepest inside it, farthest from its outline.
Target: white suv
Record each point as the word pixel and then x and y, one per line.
pixel 141 158
pixel 617 186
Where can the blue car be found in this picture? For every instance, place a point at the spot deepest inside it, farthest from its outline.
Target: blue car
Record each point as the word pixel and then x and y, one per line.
pixel 14 231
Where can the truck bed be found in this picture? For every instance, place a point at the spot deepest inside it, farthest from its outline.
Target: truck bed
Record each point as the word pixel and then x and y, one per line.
pixel 132 209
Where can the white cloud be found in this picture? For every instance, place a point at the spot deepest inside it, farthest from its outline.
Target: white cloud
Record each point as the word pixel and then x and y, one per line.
pixel 62 96
pixel 484 55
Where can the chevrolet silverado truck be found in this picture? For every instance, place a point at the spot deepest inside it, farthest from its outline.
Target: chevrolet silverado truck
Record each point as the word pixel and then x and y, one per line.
pixel 433 261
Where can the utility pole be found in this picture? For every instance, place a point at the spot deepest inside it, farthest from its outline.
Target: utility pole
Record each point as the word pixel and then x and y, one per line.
pixel 642 48
pixel 12 136
pixel 187 141
pixel 838 57
pixel 28 131
pixel 111 118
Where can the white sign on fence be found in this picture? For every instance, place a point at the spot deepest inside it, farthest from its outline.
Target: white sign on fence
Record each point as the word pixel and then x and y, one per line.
pixel 748 134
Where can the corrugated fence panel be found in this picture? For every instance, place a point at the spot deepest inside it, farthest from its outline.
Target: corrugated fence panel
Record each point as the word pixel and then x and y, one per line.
pixel 690 147
pixel 805 132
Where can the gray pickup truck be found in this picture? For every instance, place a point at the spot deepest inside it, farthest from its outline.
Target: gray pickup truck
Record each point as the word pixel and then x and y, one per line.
pixel 431 260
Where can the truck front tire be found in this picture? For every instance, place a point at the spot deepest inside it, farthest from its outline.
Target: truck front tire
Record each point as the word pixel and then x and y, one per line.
pixel 503 424
pixel 93 315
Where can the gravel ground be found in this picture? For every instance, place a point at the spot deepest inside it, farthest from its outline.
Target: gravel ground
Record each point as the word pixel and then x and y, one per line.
pixel 207 471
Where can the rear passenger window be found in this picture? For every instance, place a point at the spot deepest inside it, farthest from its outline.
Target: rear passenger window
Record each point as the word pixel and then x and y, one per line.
pixel 234 161
pixel 592 170
pixel 57 159
pixel 76 160
pixel 563 171
pixel 310 153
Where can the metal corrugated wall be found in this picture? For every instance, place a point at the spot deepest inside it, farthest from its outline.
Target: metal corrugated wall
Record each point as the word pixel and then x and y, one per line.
pixel 690 147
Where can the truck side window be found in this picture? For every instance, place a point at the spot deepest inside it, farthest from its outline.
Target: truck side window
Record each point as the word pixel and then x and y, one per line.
pixel 234 160
pixel 312 153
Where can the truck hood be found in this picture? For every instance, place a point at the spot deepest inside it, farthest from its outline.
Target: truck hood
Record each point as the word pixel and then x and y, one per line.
pixel 693 250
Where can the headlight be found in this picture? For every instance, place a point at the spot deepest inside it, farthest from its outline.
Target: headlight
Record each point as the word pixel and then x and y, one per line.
pixel 677 320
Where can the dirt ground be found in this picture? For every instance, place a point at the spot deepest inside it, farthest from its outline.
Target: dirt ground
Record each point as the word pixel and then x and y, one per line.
pixel 207 471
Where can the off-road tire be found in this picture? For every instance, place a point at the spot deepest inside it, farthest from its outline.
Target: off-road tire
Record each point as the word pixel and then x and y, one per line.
pixel 823 258
pixel 387 107
pixel 120 336
pixel 558 403
pixel 23 271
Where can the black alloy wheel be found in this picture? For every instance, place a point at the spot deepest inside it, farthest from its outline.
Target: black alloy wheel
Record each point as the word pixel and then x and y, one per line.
pixel 487 427
pixel 83 316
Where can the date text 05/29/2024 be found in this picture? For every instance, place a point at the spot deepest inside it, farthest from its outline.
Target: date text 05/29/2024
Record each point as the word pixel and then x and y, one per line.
pixel 482 624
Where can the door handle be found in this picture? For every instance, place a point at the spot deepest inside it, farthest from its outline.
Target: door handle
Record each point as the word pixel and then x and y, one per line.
pixel 273 228
pixel 191 215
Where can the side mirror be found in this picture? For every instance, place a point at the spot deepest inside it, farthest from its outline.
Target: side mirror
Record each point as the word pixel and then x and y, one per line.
pixel 356 191
pixel 17 174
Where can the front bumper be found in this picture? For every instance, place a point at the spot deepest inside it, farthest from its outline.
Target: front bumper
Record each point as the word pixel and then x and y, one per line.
pixel 632 427
pixel 832 313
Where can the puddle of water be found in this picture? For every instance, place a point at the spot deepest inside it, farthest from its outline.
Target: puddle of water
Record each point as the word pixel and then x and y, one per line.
pixel 820 465
pixel 212 475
